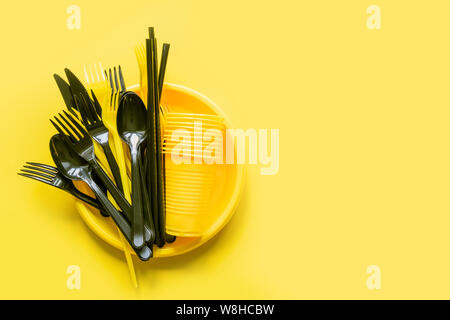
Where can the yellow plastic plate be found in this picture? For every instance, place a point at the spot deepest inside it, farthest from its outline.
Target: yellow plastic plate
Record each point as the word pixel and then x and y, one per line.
pixel 227 188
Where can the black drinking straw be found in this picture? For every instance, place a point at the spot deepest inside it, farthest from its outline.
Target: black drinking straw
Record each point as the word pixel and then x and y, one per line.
pixel 162 68
pixel 162 72
pixel 155 159
pixel 158 156
pixel 151 138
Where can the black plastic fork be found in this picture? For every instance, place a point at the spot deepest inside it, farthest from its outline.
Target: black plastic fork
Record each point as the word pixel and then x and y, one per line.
pixel 97 130
pixel 117 85
pixel 51 176
pixel 80 142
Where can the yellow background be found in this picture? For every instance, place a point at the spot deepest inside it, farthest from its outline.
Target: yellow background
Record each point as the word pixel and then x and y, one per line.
pixel 364 155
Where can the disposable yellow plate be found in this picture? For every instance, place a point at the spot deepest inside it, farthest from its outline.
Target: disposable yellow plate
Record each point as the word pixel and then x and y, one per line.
pixel 227 189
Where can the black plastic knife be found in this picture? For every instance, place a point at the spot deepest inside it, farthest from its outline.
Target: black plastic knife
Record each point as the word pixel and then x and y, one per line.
pixel 78 89
pixel 66 92
pixel 67 95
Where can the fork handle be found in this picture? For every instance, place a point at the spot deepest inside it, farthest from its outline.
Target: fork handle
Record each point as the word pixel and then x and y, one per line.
pixel 137 226
pixel 89 200
pixel 146 205
pixel 116 194
pixel 109 207
pixel 113 164
pixel 111 187
pixel 144 253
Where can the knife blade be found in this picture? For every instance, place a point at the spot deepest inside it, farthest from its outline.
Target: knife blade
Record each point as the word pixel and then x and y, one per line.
pixel 78 89
pixel 66 92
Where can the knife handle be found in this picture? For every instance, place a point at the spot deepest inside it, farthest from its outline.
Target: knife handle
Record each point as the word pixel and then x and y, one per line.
pixel 113 164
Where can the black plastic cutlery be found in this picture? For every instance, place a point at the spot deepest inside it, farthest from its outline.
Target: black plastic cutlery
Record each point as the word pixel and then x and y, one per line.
pixel 146 204
pixel 131 126
pixel 51 176
pixel 79 90
pixel 97 130
pixel 74 167
pixel 117 85
pixel 66 93
pixel 79 140
pixel 81 127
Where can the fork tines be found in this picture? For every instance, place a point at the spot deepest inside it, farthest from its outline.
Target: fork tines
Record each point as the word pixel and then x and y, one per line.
pixel 73 133
pixel 119 83
pixel 88 114
pixel 39 171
